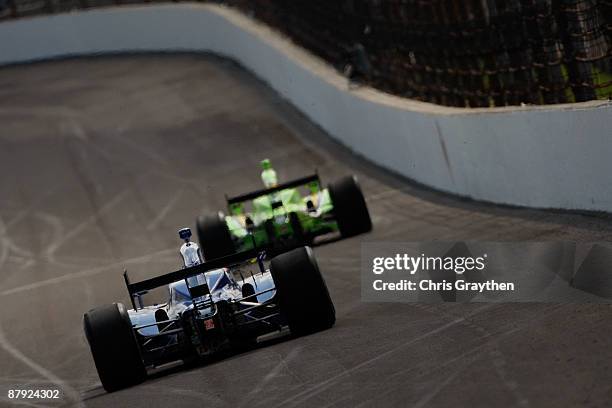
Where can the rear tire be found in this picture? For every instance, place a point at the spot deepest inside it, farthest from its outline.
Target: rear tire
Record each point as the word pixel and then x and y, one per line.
pixel 350 207
pixel 301 291
pixel 114 347
pixel 214 236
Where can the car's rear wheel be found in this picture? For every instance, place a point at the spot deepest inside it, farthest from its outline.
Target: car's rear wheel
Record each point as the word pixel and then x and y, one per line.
pixel 350 207
pixel 301 291
pixel 214 236
pixel 114 347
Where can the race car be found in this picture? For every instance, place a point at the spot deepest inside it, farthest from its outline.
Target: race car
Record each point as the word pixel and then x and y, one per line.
pixel 222 304
pixel 283 216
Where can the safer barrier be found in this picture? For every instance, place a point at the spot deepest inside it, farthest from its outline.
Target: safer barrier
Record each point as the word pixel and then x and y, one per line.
pixel 554 156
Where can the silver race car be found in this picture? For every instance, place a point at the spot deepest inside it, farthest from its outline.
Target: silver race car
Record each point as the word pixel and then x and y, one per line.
pixel 223 304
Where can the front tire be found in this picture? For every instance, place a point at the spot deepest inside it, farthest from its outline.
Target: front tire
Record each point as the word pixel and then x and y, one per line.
pixel 301 291
pixel 114 347
pixel 350 208
pixel 214 236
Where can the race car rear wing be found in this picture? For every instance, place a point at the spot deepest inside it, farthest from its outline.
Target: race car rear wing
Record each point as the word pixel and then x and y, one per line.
pixel 137 288
pixel 258 193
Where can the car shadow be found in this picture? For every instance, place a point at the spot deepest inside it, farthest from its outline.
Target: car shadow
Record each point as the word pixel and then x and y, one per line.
pixel 180 367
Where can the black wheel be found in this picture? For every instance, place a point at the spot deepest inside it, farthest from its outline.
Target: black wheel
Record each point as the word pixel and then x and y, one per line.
pixel 214 236
pixel 114 347
pixel 350 207
pixel 302 294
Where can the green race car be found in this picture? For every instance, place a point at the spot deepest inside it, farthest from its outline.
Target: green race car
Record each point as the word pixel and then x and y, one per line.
pixel 284 216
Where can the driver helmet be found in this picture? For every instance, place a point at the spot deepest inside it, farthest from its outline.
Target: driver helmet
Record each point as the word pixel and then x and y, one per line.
pixel 268 175
pixel 184 233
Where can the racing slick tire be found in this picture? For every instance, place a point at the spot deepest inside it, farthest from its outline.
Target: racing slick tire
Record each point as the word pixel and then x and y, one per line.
pixel 114 347
pixel 350 207
pixel 301 291
pixel 214 236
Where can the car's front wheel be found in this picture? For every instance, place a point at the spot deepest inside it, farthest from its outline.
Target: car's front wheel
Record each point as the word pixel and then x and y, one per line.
pixel 114 347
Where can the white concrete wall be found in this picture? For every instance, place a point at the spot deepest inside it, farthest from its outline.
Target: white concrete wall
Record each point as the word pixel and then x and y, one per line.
pixel 552 157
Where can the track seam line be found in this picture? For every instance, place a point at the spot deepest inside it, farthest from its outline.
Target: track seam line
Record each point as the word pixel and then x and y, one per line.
pixel 81 274
pixel 308 393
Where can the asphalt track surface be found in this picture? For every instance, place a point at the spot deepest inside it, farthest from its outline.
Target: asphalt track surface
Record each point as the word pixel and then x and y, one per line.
pixel 103 159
